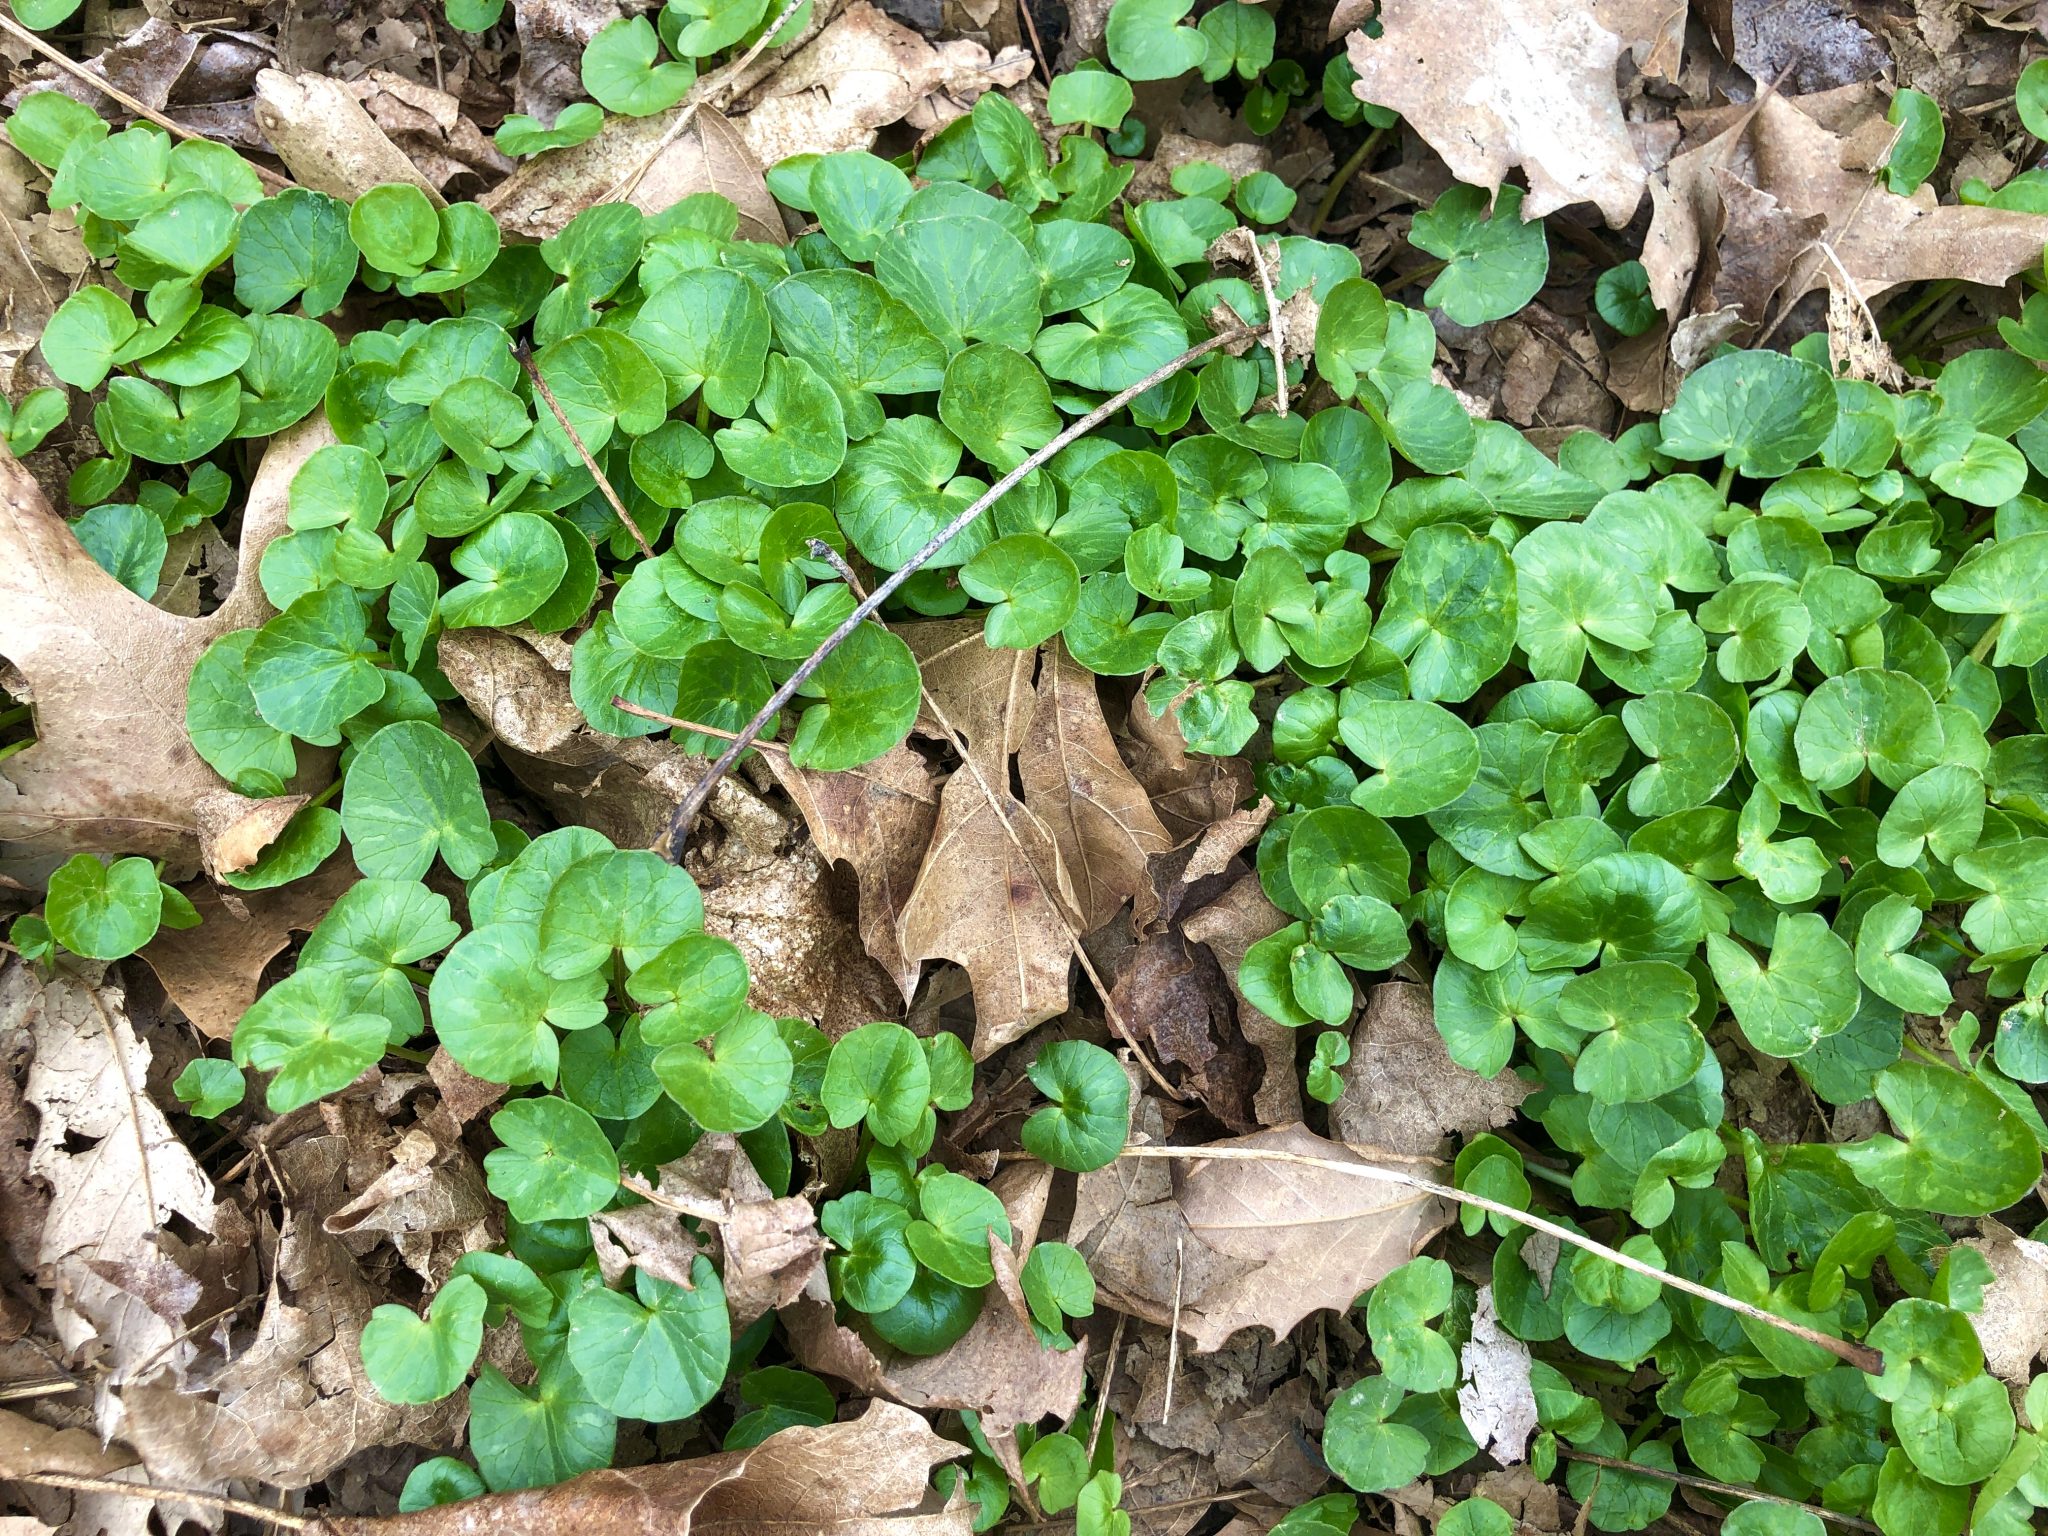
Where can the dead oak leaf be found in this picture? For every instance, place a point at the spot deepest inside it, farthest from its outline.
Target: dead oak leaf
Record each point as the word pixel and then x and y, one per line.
pixel 861 1477
pixel 112 768
pixel 1402 1091
pixel 1252 1243
pixel 1492 85
pixel 1100 817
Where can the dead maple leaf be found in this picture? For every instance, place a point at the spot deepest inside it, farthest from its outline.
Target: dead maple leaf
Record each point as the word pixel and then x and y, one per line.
pixel 213 972
pixel 112 768
pixel 103 1243
pixel 1493 84
pixel 1244 1243
pixel 868 1476
pixel 1402 1091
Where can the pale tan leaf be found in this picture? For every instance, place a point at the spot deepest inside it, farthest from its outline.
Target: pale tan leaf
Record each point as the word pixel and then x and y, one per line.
pixel 1492 85
pixel 2013 1322
pixel 327 140
pixel 112 768
pixel 771 1246
pixel 1495 1398
pixel 708 155
pixel 864 1477
pixel 986 691
pixel 1099 817
pixel 981 901
pixel 26 1446
pixel 213 972
pixel 1264 1244
pixel 1402 1091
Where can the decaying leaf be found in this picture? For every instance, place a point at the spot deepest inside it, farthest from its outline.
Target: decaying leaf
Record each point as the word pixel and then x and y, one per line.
pixel 1493 86
pixel 707 155
pixel 2013 1322
pixel 213 972
pixel 1190 792
pixel 1230 925
pixel 112 767
pixel 868 1476
pixel 325 137
pixel 1402 1091
pixel 862 73
pixel 1256 1244
pixel 772 1248
pixel 26 1446
pixel 1495 1398
pixel 116 1174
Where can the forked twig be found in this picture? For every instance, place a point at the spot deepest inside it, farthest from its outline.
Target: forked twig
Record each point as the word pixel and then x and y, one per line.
pixel 1862 1356
pixel 106 87
pixel 684 817
pixel 540 385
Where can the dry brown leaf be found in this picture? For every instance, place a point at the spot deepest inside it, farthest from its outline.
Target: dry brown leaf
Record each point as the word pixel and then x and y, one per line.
pixel 709 155
pixel 2013 1322
pixel 1793 151
pixel 430 1204
pixel 1255 1244
pixel 772 1247
pixel 647 1237
pixel 981 900
pixel 212 972
pixel 326 138
pixel 552 37
pixel 1402 1091
pixel 1267 1446
pixel 997 1369
pixel 112 768
pixel 109 1198
pixel 868 1476
pixel 878 818
pixel 1174 994
pixel 26 1446
pixel 1190 792
pixel 986 691
pixel 1099 816
pixel 859 75
pixel 1491 85
pixel 1230 925
pixel 1495 1398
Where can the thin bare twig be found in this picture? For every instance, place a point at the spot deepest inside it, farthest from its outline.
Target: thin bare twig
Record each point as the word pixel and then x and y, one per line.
pixel 1180 1274
pixel 628 707
pixel 106 87
pixel 671 843
pixel 820 550
pixel 704 91
pixel 1862 1356
pixel 1276 328
pixel 541 387
pixel 119 1489
pixel 1708 1485
pixel 1037 47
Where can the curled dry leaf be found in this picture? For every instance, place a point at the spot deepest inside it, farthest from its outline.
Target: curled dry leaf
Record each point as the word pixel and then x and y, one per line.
pixel 1402 1091
pixel 1190 792
pixel 708 155
pixel 327 139
pixel 862 73
pixel 2013 1322
pixel 868 1476
pixel 213 972
pixel 112 768
pixel 26 1446
pixel 1491 86
pixel 430 1204
pixel 552 37
pixel 772 1247
pixel 1495 1398
pixel 1257 1244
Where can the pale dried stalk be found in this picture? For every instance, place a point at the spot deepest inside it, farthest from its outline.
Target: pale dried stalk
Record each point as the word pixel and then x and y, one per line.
pixel 1862 1356
pixel 106 87
pixel 1708 1485
pixel 74 1483
pixel 1276 328
pixel 671 844
pixel 619 507
pixel 823 551
pixel 628 707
